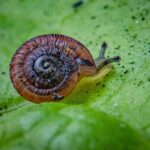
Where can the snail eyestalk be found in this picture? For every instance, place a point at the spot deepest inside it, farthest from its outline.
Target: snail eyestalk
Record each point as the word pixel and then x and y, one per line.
pixel 102 61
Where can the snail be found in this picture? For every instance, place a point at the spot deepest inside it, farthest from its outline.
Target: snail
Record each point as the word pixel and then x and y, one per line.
pixel 48 67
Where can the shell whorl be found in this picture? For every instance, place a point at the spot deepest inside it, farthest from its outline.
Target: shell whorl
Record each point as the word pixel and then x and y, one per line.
pixel 46 65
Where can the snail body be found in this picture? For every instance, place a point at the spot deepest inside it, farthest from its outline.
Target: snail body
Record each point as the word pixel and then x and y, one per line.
pixel 48 67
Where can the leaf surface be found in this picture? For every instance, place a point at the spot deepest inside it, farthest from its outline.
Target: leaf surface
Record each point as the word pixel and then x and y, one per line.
pixel 107 111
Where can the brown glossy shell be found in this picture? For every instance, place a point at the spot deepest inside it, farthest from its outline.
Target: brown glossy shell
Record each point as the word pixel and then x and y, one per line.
pixel 60 46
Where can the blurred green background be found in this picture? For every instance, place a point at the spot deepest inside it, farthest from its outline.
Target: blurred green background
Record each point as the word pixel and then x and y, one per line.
pixel 108 114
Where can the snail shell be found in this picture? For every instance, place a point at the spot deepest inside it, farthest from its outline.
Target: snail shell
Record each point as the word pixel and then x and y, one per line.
pixel 48 67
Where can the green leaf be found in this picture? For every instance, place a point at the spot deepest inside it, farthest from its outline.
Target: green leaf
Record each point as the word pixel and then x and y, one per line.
pixel 107 111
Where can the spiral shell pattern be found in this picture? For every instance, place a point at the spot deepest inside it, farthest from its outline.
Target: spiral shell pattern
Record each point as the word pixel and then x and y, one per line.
pixel 46 66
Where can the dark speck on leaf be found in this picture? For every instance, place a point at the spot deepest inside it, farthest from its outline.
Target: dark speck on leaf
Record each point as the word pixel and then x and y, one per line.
pixel 133 62
pixel 98 83
pixel 90 42
pixel 133 17
pixel 105 6
pixel 132 68
pixel 99 37
pixel 147 11
pixel 142 18
pixel 77 4
pixel 97 26
pixel 127 30
pixel 134 36
pixel 140 83
pixel 5 107
pixel 126 71
pixel 131 45
pixel 3 73
pixel 93 17
pixel 118 47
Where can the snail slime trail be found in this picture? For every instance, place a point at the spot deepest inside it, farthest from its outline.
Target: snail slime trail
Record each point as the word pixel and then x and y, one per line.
pixel 48 67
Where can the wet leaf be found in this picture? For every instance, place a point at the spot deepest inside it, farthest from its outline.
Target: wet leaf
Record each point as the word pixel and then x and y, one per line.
pixel 107 111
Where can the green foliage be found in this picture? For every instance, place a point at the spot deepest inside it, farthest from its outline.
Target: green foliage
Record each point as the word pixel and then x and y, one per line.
pixel 112 113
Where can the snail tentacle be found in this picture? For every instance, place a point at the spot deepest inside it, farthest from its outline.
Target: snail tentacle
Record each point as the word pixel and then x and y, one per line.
pixel 102 61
